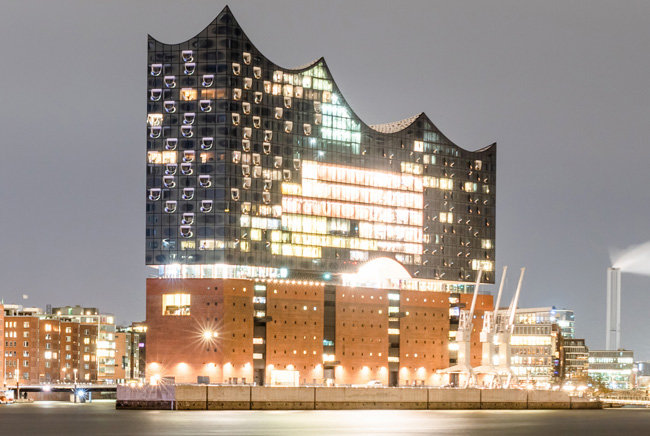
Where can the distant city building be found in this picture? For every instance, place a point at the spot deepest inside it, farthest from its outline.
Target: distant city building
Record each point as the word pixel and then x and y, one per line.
pixel 537 343
pixel 564 318
pixel 575 358
pixel 642 373
pixel 130 352
pixel 614 368
pixel 105 338
pixel 293 241
pixel 535 352
pixel 42 347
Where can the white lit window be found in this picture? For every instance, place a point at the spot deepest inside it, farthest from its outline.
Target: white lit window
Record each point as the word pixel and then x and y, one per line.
pixel 176 304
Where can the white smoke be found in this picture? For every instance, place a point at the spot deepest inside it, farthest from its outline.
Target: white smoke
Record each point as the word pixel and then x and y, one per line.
pixel 634 259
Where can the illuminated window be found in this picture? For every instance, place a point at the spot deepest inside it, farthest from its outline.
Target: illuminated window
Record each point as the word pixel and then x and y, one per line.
pixel 485 265
pixel 154 119
pixel 446 184
pixel 471 187
pixel 418 146
pixel 176 304
pixel 188 94
pixel 154 157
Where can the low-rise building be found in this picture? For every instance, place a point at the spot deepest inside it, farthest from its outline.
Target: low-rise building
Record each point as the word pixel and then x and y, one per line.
pixel 642 374
pixel 575 358
pixel 613 368
pixel 42 347
pixel 105 344
pixel 535 352
pixel 129 352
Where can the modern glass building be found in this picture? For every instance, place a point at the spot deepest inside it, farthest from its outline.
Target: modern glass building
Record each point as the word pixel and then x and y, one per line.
pixel 614 368
pixel 260 171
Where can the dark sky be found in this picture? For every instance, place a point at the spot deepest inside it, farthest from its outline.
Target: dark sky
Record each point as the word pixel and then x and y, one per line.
pixel 561 86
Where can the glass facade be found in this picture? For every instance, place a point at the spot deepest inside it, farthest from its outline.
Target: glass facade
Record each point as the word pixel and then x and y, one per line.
pixel 614 368
pixel 251 166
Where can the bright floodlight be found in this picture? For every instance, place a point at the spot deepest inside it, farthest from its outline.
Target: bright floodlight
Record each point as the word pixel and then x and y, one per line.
pixel 207 334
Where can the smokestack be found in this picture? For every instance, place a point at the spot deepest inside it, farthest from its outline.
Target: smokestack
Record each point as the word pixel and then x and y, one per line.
pixel 613 338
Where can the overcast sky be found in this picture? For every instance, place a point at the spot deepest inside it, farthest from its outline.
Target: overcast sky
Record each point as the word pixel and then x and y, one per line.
pixel 562 87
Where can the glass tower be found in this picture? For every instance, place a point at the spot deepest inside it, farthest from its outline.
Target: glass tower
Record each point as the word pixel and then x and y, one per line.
pixel 256 170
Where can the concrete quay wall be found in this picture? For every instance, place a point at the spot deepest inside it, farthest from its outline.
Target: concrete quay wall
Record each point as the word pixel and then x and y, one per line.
pixel 204 397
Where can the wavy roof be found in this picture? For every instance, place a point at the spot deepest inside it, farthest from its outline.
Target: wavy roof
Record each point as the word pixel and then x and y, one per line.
pixel 395 126
pixel 385 128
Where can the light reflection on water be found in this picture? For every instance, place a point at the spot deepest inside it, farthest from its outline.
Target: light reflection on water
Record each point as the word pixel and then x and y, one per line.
pixel 101 418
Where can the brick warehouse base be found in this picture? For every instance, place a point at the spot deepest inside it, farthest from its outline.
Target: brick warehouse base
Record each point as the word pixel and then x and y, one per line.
pixel 243 331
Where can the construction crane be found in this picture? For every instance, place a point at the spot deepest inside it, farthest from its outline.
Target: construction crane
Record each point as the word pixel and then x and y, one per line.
pixel 489 358
pixel 505 327
pixel 464 340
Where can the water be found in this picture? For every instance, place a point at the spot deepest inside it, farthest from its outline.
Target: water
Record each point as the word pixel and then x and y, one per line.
pixel 101 418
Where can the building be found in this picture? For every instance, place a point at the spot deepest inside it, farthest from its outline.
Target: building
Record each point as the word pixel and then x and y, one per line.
pixel 42 347
pixel 575 358
pixel 544 347
pixel 612 368
pixel 129 352
pixel 261 178
pixel 564 318
pixel 105 343
pixel 642 374
pixel 535 349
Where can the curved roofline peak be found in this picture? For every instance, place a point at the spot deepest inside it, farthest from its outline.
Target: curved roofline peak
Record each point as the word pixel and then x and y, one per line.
pixel 384 128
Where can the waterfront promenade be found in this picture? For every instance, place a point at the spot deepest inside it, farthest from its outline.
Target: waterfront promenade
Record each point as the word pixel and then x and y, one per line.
pixel 213 397
pixel 101 418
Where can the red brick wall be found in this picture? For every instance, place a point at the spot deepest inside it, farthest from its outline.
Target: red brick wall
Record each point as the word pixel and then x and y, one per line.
pixel 294 332
pixel 361 335
pixel 424 333
pixel 175 344
pixel 294 336
pixel 17 348
pixel 49 344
